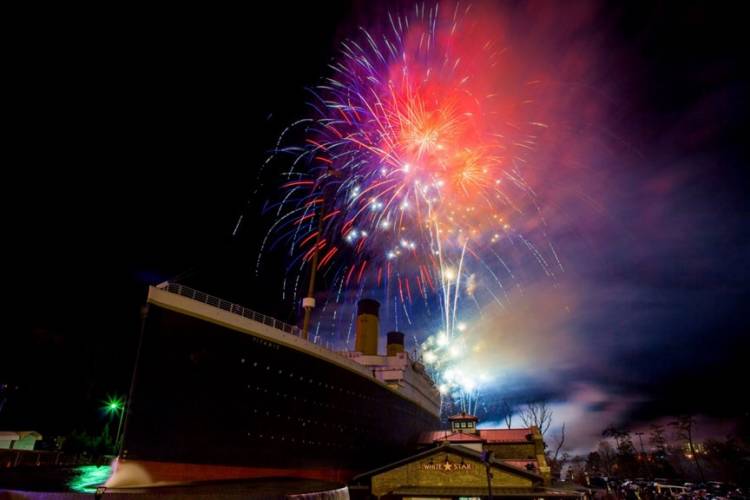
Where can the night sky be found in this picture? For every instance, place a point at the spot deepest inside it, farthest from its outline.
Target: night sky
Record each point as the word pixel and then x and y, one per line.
pixel 136 138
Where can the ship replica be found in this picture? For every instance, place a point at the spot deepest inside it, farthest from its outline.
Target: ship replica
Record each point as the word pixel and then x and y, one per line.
pixel 222 392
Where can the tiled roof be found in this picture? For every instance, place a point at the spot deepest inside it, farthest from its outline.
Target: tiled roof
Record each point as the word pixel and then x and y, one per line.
pixel 463 416
pixel 488 435
pixel 435 436
pixel 462 437
pixel 505 435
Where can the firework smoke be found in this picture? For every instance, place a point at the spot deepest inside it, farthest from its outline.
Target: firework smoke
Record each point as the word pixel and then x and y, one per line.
pixel 410 182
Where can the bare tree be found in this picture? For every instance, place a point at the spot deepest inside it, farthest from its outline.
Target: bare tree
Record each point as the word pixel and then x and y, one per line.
pixel 538 414
pixel 508 411
pixel 607 456
pixel 684 425
pixel 560 442
pixel 557 461
pixel 657 440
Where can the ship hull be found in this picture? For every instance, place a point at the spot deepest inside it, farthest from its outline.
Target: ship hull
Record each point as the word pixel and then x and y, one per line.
pixel 140 473
pixel 208 401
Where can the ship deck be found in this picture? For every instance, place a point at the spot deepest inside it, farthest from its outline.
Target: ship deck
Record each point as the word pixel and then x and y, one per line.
pixel 201 305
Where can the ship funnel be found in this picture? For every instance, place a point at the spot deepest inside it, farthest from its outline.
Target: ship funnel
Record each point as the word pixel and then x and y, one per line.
pixel 367 327
pixel 395 343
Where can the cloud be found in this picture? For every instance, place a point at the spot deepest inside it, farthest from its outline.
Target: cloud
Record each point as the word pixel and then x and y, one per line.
pixel 528 339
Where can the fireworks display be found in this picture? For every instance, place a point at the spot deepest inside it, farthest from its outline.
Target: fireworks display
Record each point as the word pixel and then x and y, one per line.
pixel 409 185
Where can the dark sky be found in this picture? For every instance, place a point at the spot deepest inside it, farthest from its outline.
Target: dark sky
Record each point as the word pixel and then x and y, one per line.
pixel 135 138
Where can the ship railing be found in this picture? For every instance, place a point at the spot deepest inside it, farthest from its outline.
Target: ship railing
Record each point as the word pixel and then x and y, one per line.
pixel 191 293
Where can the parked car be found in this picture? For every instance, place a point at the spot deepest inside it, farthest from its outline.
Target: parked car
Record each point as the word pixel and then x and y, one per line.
pixel 670 489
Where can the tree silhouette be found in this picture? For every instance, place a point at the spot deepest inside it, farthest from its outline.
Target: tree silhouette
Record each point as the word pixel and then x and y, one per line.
pixel 684 427
pixel 537 414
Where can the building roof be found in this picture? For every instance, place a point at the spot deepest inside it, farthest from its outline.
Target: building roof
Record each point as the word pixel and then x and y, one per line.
pixel 507 435
pixel 462 437
pixel 490 436
pixel 450 448
pixel 32 434
pixel 463 416
pixel 451 437
pixel 16 435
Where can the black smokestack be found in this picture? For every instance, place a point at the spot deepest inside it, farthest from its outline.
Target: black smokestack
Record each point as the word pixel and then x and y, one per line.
pixel 368 306
pixel 395 343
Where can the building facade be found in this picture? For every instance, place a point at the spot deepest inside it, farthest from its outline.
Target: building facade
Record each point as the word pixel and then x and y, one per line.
pixel 465 462
pixel 522 448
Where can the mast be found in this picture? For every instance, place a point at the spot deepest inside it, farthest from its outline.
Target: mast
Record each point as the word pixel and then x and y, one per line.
pixel 308 303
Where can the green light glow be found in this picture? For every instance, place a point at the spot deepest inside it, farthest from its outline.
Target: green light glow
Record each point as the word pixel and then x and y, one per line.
pixel 88 477
pixel 114 405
